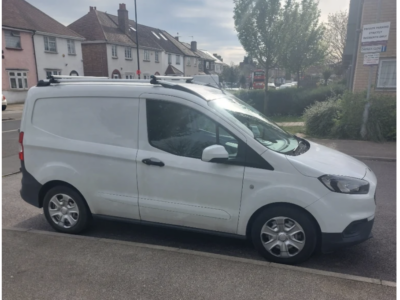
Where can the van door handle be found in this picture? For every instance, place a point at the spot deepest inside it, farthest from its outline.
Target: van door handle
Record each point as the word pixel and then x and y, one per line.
pixel 153 161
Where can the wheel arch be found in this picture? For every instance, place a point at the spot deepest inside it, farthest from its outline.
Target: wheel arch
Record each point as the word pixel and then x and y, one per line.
pixel 51 184
pixel 258 211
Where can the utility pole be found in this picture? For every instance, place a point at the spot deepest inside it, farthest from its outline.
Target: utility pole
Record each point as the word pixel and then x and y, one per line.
pixel 137 43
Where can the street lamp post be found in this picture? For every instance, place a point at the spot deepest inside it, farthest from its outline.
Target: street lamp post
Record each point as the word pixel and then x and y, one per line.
pixel 137 43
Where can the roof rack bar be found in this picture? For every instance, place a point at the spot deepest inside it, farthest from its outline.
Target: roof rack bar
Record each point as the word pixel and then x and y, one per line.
pixel 76 77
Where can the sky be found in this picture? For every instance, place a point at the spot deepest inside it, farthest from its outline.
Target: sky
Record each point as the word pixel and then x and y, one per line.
pixel 209 22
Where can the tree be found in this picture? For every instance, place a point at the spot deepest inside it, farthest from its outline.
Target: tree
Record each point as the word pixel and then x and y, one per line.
pixel 326 74
pixel 242 81
pixel 335 35
pixel 230 74
pixel 303 39
pixel 260 25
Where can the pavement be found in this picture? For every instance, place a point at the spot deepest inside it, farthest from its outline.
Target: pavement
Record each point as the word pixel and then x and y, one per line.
pixel 43 265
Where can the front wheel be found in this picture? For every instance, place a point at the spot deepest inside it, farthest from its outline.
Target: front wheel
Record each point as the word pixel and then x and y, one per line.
pixel 284 234
pixel 66 210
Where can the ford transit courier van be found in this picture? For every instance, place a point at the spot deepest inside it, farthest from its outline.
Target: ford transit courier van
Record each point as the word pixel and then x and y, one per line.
pixel 189 156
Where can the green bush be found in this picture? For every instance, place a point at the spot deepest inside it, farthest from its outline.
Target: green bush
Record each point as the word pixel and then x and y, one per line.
pixel 290 101
pixel 343 118
pixel 320 118
pixel 381 124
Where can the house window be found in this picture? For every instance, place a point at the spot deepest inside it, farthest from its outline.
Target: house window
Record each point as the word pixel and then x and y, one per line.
pixel 73 73
pixel 50 44
pixel 71 47
pixel 169 59
pixel 128 53
pixel 207 65
pixel 146 76
pixel 129 76
pixel 387 74
pixel 13 39
pixel 178 59
pixel 146 55
pixel 50 73
pixel 188 61
pixel 156 56
pixel 18 80
pixel 114 52
pixel 195 62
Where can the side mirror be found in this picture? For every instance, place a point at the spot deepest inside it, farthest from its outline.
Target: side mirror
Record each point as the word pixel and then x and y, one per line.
pixel 215 153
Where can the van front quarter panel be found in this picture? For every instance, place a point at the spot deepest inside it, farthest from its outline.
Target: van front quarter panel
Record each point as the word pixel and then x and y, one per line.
pixel 264 187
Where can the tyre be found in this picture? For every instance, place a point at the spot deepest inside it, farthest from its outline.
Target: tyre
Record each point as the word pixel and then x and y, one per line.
pixel 66 210
pixel 284 234
pixel 3 107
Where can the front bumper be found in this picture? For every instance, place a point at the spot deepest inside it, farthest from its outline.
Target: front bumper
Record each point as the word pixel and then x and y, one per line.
pixel 357 232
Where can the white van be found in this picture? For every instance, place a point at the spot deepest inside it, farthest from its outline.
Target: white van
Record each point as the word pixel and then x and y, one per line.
pixel 189 156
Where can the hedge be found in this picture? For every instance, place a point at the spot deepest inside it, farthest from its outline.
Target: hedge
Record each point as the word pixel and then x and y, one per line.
pixel 381 124
pixel 290 101
pixel 342 117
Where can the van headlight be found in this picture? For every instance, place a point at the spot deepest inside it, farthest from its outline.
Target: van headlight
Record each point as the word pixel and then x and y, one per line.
pixel 345 185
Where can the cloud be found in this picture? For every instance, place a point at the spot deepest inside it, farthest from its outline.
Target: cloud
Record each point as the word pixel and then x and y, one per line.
pixel 210 22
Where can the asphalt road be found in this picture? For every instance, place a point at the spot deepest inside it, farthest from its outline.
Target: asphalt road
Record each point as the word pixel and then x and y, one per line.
pixel 375 258
pixel 10 125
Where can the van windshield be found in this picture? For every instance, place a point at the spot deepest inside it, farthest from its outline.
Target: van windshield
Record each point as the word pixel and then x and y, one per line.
pixel 264 130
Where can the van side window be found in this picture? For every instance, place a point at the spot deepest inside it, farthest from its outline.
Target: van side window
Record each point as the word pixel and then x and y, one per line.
pixel 183 131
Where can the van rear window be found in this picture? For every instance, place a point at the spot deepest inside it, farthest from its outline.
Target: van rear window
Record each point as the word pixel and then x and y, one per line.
pixel 97 120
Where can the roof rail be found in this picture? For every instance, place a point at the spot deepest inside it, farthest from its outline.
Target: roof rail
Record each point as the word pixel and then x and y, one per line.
pixel 61 78
pixel 155 79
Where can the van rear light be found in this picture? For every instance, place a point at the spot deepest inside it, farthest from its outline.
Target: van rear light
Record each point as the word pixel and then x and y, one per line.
pixel 21 150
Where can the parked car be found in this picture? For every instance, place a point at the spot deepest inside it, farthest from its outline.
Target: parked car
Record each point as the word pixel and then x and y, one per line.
pixel 287 85
pixel 187 156
pixel 4 103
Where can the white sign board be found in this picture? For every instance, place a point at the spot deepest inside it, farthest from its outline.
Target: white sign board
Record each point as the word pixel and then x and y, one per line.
pixel 373 49
pixel 371 59
pixel 375 34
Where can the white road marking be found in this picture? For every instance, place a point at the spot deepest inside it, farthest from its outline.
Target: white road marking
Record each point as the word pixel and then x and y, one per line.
pixel 10 130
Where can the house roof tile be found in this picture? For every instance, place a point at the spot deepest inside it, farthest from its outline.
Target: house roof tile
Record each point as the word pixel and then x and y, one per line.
pixel 200 53
pixel 22 15
pixel 171 70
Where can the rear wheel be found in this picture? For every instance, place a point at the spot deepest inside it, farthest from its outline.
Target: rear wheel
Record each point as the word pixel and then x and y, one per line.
pixel 284 234
pixel 66 210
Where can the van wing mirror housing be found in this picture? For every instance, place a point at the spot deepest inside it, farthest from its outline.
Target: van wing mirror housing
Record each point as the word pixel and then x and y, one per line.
pixel 215 153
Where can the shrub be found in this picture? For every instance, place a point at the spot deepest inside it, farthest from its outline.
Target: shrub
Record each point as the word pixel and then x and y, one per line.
pixel 381 124
pixel 320 118
pixel 343 118
pixel 290 101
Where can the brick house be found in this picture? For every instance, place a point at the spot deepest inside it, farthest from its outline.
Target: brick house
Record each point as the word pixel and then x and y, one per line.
pixel 110 48
pixel 190 62
pixel 35 46
pixel 205 61
pixel 383 75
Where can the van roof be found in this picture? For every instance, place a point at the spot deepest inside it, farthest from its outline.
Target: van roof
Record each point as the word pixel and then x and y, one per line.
pixel 205 92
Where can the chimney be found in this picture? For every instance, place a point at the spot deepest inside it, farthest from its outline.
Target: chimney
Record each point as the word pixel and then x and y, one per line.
pixel 91 8
pixel 193 46
pixel 177 38
pixel 123 19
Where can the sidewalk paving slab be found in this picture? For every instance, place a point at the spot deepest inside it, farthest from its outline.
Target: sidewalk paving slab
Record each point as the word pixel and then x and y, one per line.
pixel 361 149
pixel 45 266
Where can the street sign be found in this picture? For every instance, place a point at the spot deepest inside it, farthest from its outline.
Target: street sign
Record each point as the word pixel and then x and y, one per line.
pixel 371 59
pixel 375 34
pixel 138 72
pixel 373 49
